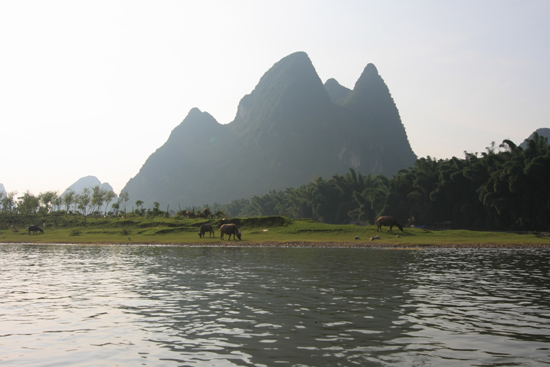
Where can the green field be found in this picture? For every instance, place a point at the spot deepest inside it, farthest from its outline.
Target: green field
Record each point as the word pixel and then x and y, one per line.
pixel 264 231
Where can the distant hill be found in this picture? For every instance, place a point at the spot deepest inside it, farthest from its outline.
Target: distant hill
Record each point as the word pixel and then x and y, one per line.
pixel 87 182
pixel 544 131
pixel 290 129
pixel 2 190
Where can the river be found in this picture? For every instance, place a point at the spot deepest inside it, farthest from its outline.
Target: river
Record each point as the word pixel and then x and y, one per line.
pixel 128 305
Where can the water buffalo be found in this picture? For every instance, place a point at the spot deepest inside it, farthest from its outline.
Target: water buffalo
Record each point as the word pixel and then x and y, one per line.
pixel 230 229
pixel 387 221
pixel 206 228
pixel 35 229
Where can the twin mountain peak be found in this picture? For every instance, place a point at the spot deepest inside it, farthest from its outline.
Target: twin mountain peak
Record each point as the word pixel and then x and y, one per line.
pixel 289 130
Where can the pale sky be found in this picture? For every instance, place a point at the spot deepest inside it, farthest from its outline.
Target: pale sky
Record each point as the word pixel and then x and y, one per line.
pixel 95 87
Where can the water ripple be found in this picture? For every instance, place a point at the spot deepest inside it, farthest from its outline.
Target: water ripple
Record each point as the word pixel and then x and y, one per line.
pixel 175 306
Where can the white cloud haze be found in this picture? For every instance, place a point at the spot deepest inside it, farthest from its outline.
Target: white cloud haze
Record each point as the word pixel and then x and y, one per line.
pixel 93 88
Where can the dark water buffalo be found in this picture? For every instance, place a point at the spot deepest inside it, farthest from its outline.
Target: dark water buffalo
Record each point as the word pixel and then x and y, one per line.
pixel 387 221
pixel 35 229
pixel 230 229
pixel 206 228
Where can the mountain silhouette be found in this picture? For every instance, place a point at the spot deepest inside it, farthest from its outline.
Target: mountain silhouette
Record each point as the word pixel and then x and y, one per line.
pixel 87 182
pixel 289 130
pixel 543 132
pixel 336 92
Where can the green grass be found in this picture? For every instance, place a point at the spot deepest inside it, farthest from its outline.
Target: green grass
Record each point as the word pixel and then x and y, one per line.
pixel 261 231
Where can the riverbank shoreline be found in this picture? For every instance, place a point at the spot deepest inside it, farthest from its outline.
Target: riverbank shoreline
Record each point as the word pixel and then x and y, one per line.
pixel 266 232
pixel 298 244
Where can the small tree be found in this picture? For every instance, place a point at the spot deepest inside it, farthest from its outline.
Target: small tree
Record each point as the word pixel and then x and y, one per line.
pixel 139 211
pixel 116 208
pixel 68 200
pixel 124 197
pixel 109 196
pixel 8 202
pixel 58 202
pixel 98 196
pixel 28 203
pixel 47 199
pixel 83 200
pixel 156 209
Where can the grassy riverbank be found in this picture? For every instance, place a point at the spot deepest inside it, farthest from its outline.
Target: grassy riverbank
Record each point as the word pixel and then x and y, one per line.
pixel 266 231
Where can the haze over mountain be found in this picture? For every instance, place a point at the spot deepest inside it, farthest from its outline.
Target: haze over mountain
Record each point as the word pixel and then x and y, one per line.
pixel 290 129
pixel 87 182
pixel 544 131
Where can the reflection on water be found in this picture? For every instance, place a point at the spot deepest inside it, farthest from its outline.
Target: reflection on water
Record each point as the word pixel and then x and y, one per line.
pixel 179 306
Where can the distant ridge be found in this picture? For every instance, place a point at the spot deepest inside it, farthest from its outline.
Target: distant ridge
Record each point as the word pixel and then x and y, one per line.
pixel 543 131
pixel 87 182
pixel 337 93
pixel 290 129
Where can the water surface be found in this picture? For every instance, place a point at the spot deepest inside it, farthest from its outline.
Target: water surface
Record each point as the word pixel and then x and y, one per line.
pixel 71 305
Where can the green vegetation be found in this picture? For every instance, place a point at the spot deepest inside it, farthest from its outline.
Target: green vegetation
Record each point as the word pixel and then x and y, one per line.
pixel 260 231
pixel 502 189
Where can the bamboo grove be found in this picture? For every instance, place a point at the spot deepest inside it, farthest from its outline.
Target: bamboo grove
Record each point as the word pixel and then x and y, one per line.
pixel 504 188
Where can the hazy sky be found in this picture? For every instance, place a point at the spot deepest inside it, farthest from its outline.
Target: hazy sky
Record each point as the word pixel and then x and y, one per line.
pixel 95 87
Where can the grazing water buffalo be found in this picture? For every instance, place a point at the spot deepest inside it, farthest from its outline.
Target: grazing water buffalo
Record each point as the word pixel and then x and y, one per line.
pixel 387 221
pixel 206 228
pixel 35 229
pixel 230 229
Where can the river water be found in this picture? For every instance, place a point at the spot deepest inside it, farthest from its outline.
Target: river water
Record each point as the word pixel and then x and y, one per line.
pixel 72 305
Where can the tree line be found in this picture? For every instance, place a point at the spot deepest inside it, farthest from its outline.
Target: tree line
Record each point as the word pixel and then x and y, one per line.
pixel 94 200
pixel 91 201
pixel 504 188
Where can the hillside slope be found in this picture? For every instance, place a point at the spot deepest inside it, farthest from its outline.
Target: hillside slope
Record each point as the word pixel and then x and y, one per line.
pixel 290 129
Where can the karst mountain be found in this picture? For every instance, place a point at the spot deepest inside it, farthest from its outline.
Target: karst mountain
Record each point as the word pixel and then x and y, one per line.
pixel 88 182
pixel 290 129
